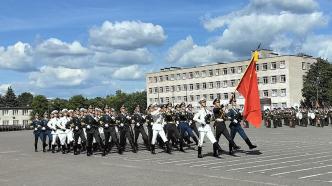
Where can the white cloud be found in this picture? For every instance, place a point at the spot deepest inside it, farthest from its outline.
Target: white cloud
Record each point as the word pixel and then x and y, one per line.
pixel 58 77
pixel 187 53
pixel 320 46
pixel 17 57
pixel 126 35
pixel 132 72
pixel 296 6
pixel 4 88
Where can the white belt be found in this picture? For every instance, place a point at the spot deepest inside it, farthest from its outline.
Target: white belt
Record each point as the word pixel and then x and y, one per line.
pixel 218 119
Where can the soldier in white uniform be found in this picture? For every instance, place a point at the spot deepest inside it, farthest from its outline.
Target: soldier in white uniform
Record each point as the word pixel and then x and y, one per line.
pixel 158 128
pixel 61 129
pixel 69 131
pixel 203 117
pixel 52 124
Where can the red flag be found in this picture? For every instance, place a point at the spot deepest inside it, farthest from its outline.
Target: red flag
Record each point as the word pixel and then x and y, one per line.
pixel 248 87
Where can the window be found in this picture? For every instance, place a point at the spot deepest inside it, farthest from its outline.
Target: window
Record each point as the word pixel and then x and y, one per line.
pixel 210 73
pixel 198 97
pixel 179 88
pixel 283 92
pixel 265 80
pixel 150 90
pixel 178 76
pixel 304 66
pixel 26 122
pixel 185 87
pixel 282 78
pixel 204 86
pixel 155 89
pixel 191 87
pixel 179 98
pixel 218 84
pixel 150 79
pixel 205 96
pixel 155 79
pixel 197 86
pixel 173 88
pixel 191 75
pixel 265 93
pixel 191 98
pixel 184 76
pixel 224 71
pixel 224 83
pixel 233 83
pixel 283 104
pixel 185 99
pixel 161 100
pixel 264 66
pixel 275 105
pixel 197 74
pixel 203 73
pixel 150 100
pixel 225 96
pixel 239 69
pixel 172 77
pixel 274 92
pixel 232 70
pixel 167 88
pixel 308 66
pixel 273 65
pixel 210 85
pixel 5 122
pixel 161 90
pixel 257 67
pixel 218 95
pixel 282 64
pixel 217 72
pixel 173 99
pixel 258 80
pixel 211 97
pixel 274 79
pixel 166 78
pixel 167 99
pixel 161 78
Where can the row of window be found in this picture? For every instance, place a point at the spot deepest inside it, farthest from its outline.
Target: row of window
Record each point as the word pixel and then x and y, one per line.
pixel 210 97
pixel 15 112
pixel 216 72
pixel 217 84
pixel 15 122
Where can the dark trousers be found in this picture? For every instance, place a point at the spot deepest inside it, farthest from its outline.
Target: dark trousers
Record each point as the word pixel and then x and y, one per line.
pixel 221 129
pixel 125 133
pixel 237 128
pixel 173 132
pixel 43 135
pixel 79 134
pixel 36 135
pixel 111 133
pixel 93 133
pixel 140 130
pixel 194 128
pixel 184 127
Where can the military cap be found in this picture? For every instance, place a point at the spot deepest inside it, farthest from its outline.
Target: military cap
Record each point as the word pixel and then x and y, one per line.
pixel 182 104
pixel 54 112
pixel 202 100
pixel 64 110
pixel 189 106
pixel 216 100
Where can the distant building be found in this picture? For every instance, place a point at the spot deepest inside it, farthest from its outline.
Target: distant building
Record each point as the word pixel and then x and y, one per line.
pixel 280 79
pixel 15 117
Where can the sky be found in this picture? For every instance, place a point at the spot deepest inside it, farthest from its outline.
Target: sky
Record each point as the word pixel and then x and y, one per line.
pixel 95 47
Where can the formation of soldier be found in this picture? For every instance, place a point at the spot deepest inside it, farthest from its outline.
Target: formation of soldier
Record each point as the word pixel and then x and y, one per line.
pixel 291 117
pixel 95 130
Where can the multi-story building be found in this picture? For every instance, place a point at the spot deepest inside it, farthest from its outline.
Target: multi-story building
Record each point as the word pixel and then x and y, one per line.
pixel 280 79
pixel 15 117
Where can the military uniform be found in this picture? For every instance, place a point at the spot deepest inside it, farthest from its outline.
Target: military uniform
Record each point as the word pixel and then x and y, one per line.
pixel 75 123
pixel 171 129
pixel 138 120
pixel 45 132
pixel 108 123
pixel 184 128
pixel 36 124
pixel 92 132
pixel 125 130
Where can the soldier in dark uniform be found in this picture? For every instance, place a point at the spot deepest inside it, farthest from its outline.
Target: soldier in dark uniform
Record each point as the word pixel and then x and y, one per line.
pixel 75 124
pixel 139 119
pixel 36 124
pixel 235 117
pixel 274 118
pixel 149 121
pixel 267 118
pixel 45 131
pixel 220 126
pixel 304 120
pixel 108 122
pixel 92 132
pixel 125 129
pixel 190 117
pixel 185 130
pixel 293 120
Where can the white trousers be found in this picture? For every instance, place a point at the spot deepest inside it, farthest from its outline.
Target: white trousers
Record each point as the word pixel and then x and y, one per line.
pixel 62 136
pixel 158 130
pixel 70 135
pixel 54 137
pixel 205 131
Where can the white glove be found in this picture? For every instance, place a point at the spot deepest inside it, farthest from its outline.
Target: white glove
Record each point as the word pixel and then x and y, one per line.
pixel 137 124
pixel 132 121
pixel 43 128
pixel 76 127
pixel 121 125
pixel 143 117
pixel 235 121
pixel 106 125
pixel 113 118
pixel 128 117
pixel 190 122
pixel 35 129
pixel 88 127
pixel 38 126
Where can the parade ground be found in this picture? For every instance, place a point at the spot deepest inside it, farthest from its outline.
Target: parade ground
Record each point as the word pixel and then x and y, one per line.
pixel 285 156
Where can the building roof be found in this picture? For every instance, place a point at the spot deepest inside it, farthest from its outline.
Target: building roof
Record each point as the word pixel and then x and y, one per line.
pixel 11 108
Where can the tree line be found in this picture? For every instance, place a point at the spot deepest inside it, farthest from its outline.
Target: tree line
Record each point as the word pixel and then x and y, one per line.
pixel 40 104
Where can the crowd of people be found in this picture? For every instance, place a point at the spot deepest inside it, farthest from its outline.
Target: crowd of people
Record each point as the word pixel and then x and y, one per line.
pixel 166 126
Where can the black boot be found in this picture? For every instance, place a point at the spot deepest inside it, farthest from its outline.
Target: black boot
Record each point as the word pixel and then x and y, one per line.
pixel 75 149
pixel 200 152
pixel 251 146
pixel 230 149
pixel 168 147
pixel 63 149
pixel 89 151
pixel 44 147
pixel 104 152
pixel 195 139
pixel 181 146
pixel 68 147
pixel 36 147
pixel 53 148
pixel 83 146
pixel 216 149
pixel 153 149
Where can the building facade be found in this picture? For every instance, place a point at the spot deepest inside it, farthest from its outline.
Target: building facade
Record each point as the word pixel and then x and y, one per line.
pixel 17 116
pixel 280 79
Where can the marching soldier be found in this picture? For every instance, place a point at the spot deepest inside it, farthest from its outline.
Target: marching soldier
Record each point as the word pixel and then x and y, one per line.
pixel 203 117
pixel 139 119
pixel 75 124
pixel 267 118
pixel 220 126
pixel 108 123
pixel 62 130
pixel 235 117
pixel 190 116
pixel 184 125
pixel 52 124
pixel 125 129
pixel 36 124
pixel 45 131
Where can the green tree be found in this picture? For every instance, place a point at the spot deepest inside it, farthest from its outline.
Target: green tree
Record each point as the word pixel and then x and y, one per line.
pixel 10 99
pixel 317 84
pixel 117 100
pixel 39 105
pixel 25 99
pixel 1 101
pixel 77 101
pixel 58 104
pixel 97 102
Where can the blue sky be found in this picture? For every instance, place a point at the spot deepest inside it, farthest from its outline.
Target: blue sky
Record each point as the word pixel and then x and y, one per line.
pixel 94 47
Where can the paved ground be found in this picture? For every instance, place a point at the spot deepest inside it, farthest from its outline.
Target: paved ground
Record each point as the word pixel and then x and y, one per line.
pixel 300 156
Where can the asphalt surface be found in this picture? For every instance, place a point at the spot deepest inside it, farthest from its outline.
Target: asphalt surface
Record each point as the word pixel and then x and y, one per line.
pixel 285 156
